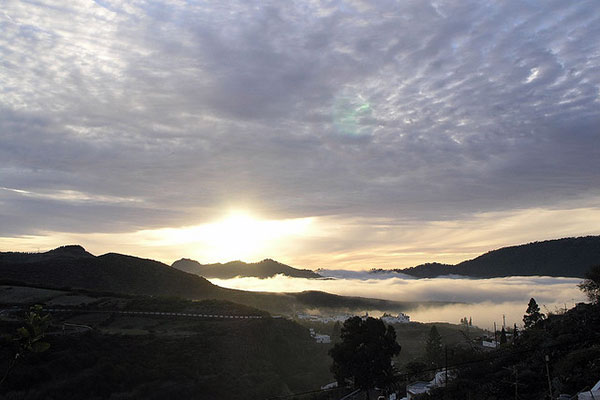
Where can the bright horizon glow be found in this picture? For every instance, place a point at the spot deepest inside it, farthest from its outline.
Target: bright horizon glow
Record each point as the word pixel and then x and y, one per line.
pixel 332 242
pixel 239 235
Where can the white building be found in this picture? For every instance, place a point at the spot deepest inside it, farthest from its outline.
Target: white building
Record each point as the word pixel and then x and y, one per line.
pixel 421 387
pixel 417 388
pixel 592 394
pixel 491 344
pixel 319 337
pixel 399 319
pixel 323 319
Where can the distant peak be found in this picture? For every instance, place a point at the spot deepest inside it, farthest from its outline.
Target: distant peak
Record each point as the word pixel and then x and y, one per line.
pixel 269 260
pixel 71 250
pixel 186 260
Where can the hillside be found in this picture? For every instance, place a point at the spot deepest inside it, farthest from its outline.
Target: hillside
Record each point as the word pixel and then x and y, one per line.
pixel 263 269
pixel 121 356
pixel 560 257
pixel 569 340
pixel 73 267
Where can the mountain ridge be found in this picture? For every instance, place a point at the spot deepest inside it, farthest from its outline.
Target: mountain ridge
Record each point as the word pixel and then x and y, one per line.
pixel 263 269
pixel 568 257
pixel 118 273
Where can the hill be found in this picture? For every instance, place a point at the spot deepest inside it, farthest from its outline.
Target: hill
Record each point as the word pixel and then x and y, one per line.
pixel 263 269
pixel 122 356
pixel 73 267
pixel 560 257
pixel 561 350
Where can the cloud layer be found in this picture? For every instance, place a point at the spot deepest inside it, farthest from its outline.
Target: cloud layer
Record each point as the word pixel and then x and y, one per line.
pixel 486 299
pixel 118 116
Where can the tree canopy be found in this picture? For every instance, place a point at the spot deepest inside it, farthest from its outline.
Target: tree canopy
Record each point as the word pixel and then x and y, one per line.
pixel 433 346
pixel 591 284
pixel 533 314
pixel 365 352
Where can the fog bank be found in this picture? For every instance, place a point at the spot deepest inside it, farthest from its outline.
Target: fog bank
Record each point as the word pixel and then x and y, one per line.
pixel 486 300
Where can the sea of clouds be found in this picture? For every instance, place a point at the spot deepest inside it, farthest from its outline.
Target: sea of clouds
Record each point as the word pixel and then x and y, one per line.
pixel 485 300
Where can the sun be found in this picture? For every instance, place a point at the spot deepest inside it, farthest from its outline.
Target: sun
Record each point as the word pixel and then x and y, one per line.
pixel 238 235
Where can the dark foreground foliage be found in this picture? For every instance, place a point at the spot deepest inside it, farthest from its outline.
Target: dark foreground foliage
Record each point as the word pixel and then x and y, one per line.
pixel 227 360
pixel 364 353
pixel 570 340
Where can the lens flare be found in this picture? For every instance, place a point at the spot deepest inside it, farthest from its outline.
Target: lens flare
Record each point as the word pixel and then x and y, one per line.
pixel 347 113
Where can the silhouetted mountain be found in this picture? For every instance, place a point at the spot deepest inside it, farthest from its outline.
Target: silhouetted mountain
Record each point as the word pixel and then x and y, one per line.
pixel 263 269
pixel 560 257
pixel 427 270
pixel 63 252
pixel 73 267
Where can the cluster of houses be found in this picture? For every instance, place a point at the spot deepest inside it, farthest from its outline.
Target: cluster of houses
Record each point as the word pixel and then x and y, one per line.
pixel 387 318
pixel 398 319
pixel 420 387
pixel 592 394
pixel 320 337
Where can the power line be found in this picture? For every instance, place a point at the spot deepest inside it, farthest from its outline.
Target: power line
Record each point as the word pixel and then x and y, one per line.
pixel 404 376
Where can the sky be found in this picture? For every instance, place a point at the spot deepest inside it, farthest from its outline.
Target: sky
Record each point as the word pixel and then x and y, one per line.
pixel 342 134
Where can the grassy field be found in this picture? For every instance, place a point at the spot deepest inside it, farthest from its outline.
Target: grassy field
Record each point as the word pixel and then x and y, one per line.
pixel 157 356
pixel 27 295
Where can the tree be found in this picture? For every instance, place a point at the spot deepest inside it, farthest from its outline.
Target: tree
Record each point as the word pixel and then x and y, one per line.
pixel 28 338
pixel 336 332
pixel 532 315
pixel 417 371
pixel 433 346
pixel 503 336
pixel 364 353
pixel 591 284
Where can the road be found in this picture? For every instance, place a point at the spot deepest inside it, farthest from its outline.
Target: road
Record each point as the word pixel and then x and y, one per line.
pixel 156 313
pixel 150 313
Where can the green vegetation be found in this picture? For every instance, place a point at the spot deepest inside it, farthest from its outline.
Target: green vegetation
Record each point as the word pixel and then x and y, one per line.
pixel 28 338
pixel 433 347
pixel 532 315
pixel 72 267
pixel 571 342
pixel 126 356
pixel 365 352
pixel 556 355
pixel 591 284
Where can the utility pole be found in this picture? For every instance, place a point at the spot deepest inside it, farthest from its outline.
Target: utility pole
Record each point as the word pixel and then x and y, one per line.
pixel 547 358
pixel 504 321
pixel 514 371
pixel 516 383
pixel 446 379
pixel 495 335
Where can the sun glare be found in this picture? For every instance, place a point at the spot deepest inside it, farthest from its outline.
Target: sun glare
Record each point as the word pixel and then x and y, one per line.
pixel 237 236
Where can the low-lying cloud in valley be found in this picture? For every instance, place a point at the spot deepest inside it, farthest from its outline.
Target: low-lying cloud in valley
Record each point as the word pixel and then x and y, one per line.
pixel 486 300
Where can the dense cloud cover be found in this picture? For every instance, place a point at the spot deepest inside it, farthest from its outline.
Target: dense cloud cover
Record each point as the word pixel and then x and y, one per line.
pixel 117 116
pixel 486 300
